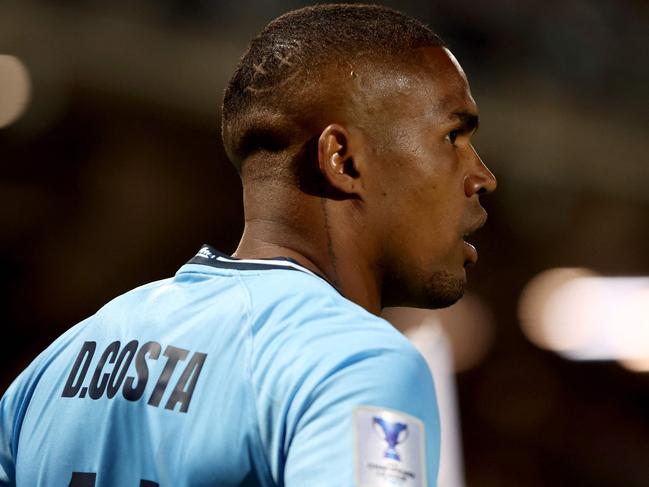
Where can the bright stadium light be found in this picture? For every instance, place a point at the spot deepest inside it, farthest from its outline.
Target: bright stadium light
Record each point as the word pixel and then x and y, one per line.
pixel 583 316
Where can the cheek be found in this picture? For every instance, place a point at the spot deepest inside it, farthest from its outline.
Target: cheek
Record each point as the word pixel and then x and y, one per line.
pixel 414 191
pixel 433 220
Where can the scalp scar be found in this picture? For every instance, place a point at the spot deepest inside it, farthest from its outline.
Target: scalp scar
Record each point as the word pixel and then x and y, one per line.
pixel 259 68
pixel 283 59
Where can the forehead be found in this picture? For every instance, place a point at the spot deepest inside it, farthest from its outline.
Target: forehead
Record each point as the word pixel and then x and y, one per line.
pixel 444 80
pixel 430 85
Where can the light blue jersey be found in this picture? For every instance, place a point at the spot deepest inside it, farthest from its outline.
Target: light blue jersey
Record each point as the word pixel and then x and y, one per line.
pixel 231 373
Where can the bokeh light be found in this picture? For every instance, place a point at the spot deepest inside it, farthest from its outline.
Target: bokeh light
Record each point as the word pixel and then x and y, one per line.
pixel 583 316
pixel 15 88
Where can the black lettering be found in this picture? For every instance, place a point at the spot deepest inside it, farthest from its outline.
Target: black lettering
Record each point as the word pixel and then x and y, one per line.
pixel 88 479
pixel 173 354
pixel 121 367
pixel 182 393
pixel 83 479
pixel 74 382
pixel 97 387
pixel 142 370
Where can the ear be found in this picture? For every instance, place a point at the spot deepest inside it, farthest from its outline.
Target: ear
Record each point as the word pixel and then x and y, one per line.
pixel 336 160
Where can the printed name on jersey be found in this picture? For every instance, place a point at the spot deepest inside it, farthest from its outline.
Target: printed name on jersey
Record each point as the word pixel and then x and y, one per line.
pixel 390 448
pixel 104 382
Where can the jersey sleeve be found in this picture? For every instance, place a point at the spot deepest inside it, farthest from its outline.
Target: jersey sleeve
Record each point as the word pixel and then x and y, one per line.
pixel 372 421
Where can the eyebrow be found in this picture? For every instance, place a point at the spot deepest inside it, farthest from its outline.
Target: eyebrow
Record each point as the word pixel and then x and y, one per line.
pixel 470 120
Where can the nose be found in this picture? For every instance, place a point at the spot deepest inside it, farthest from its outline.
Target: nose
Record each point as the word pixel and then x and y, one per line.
pixel 479 180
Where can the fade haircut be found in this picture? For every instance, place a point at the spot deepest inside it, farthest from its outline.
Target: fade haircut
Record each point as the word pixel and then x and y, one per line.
pixel 279 78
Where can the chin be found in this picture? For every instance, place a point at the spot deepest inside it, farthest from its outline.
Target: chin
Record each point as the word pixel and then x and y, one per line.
pixel 440 290
pixel 443 289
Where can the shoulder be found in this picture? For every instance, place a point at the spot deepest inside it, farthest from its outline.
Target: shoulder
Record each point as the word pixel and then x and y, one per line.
pixel 323 369
pixel 305 333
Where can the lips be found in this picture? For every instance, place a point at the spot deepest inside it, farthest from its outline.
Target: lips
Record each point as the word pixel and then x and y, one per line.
pixel 470 252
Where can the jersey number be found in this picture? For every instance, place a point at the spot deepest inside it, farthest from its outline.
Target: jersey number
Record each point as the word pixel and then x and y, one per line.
pixel 84 479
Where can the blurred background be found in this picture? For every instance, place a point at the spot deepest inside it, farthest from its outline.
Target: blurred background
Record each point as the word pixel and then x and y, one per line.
pixel 113 174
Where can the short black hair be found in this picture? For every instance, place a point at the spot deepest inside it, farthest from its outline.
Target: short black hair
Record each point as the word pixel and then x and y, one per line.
pixel 284 59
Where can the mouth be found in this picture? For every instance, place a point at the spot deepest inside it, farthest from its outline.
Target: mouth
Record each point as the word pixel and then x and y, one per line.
pixel 470 252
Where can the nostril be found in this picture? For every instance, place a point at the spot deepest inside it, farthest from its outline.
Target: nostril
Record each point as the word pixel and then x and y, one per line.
pixel 475 185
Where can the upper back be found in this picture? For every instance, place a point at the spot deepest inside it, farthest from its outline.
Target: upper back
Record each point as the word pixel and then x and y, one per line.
pixel 201 379
pixel 155 380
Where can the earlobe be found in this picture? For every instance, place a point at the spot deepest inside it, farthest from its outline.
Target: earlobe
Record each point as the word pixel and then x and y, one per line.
pixel 336 160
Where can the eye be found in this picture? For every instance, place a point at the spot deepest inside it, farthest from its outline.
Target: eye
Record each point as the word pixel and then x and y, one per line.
pixel 452 136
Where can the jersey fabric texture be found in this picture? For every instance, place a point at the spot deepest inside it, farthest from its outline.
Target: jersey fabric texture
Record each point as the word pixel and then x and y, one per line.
pixel 231 373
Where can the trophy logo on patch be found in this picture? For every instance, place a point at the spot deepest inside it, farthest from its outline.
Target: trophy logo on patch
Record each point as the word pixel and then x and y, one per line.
pixel 392 434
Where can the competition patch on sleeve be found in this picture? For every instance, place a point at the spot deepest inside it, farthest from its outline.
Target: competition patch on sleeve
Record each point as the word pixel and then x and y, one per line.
pixel 389 448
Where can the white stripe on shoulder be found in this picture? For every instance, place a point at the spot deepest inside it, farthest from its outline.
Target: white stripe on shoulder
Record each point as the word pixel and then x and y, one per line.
pixel 282 263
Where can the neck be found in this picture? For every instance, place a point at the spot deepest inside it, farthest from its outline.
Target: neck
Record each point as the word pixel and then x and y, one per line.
pixel 332 251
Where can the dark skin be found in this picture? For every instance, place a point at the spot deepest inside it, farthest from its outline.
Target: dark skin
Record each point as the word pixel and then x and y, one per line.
pixel 401 185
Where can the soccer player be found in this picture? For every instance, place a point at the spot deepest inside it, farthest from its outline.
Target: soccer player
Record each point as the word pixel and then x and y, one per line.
pixel 351 128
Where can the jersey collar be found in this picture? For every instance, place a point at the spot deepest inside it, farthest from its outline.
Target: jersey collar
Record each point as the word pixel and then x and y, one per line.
pixel 208 255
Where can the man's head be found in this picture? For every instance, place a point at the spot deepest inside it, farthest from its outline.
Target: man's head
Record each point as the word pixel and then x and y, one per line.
pixel 295 72
pixel 363 116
